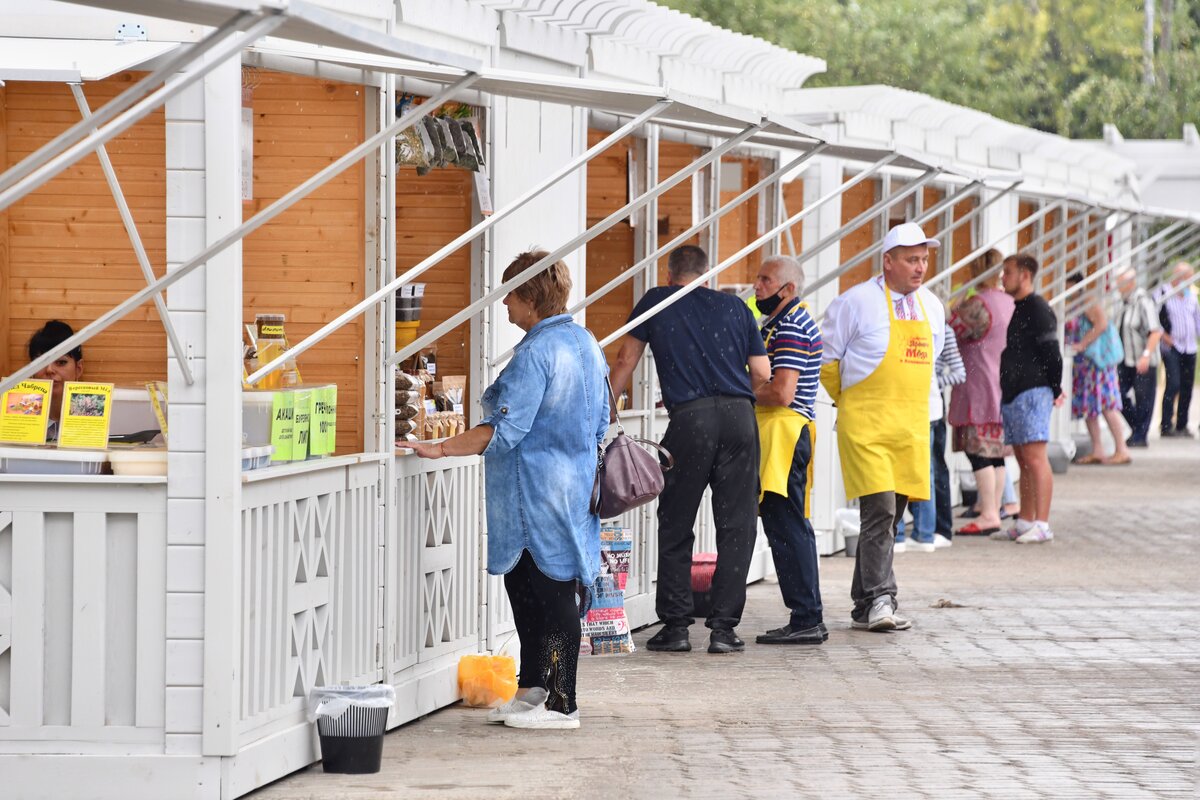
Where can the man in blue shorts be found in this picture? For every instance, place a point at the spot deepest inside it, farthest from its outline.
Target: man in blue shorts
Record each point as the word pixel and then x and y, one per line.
pixel 1030 386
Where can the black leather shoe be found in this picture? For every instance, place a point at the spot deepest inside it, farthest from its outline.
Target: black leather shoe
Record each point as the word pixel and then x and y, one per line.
pixel 724 640
pixel 788 635
pixel 670 640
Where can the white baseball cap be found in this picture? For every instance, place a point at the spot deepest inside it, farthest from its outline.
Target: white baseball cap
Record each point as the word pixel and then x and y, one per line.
pixel 908 234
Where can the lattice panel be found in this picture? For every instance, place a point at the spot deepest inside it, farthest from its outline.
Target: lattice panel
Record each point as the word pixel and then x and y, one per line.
pixel 311 581
pixel 438 525
pixel 5 615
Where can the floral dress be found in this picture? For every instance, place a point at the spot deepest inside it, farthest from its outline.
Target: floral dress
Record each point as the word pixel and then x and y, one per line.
pixel 1094 390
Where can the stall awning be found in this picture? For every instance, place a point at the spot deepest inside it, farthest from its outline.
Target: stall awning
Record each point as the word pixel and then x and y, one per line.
pixel 73 60
pixel 302 22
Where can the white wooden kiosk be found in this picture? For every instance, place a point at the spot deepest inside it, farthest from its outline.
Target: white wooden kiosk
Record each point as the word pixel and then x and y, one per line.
pixel 158 636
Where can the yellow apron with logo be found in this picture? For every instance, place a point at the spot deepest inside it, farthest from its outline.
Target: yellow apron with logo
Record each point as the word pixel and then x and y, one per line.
pixel 883 421
pixel 779 431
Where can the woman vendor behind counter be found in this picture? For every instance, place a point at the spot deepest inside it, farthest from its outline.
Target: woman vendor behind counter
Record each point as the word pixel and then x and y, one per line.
pixel 67 367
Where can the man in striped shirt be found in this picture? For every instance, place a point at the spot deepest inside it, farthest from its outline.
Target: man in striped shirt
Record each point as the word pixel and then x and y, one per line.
pixel 1180 317
pixel 786 435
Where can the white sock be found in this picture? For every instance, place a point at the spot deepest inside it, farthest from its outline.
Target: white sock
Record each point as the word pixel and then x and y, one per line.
pixel 1043 524
pixel 1024 525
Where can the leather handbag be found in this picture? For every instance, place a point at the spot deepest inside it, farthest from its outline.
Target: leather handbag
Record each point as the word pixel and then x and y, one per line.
pixel 627 474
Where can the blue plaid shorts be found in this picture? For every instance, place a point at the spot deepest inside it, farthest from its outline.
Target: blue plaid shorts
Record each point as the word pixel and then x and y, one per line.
pixel 1027 417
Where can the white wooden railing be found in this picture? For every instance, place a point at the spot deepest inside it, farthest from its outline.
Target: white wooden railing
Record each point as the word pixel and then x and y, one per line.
pixel 82 614
pixel 311 585
pixel 433 584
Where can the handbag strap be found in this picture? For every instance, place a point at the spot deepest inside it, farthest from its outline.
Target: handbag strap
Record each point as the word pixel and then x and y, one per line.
pixel 662 451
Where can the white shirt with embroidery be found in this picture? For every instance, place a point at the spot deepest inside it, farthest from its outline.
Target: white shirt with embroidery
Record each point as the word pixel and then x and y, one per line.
pixel 857 327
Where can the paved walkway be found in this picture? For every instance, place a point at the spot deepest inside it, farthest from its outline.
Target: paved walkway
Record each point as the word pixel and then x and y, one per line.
pixel 1069 670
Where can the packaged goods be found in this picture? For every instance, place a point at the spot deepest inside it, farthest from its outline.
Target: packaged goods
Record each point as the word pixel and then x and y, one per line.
pixel 487 681
pixel 406 412
pixel 404 427
pixel 407 382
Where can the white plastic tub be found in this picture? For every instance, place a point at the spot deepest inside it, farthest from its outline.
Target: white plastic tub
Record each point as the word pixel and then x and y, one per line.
pixel 256 418
pixel 140 461
pixel 256 457
pixel 132 412
pixel 51 461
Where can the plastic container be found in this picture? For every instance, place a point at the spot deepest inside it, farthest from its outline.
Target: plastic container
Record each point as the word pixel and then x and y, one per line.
pixel 51 461
pixel 256 418
pixel 351 721
pixel 256 457
pixel 132 412
pixel 139 461
pixel 847 522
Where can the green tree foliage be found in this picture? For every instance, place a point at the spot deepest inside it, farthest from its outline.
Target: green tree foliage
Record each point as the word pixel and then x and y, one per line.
pixel 1065 66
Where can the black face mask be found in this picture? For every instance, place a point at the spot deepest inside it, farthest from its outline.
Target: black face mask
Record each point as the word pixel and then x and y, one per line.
pixel 768 304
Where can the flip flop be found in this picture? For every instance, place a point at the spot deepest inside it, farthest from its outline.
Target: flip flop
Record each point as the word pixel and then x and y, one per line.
pixel 1114 461
pixel 974 530
pixel 1091 458
pixel 970 513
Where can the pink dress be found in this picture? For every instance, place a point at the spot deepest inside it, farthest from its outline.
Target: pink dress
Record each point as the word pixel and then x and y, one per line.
pixel 981 324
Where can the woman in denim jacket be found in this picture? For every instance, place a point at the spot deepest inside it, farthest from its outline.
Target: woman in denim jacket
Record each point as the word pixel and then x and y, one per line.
pixel 544 418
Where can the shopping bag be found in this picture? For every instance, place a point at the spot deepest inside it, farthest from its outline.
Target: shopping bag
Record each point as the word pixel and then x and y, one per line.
pixel 487 681
pixel 605 627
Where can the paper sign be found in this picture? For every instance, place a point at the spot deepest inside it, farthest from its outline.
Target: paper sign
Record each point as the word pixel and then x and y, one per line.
pixel 282 425
pixel 302 421
pixel 86 414
pixel 24 412
pixel 323 427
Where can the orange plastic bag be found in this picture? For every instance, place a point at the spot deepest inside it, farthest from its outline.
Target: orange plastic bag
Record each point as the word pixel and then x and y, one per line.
pixel 487 681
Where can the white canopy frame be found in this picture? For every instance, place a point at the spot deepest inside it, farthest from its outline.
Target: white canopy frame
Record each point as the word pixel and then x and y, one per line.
pixel 1178 244
pixel 1095 291
pixel 139 249
pixel 1171 232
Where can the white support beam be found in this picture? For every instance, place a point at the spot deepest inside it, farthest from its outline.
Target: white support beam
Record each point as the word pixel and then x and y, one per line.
pixel 139 250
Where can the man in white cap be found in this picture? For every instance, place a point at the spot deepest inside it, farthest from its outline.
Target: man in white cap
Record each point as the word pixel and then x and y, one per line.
pixel 881 339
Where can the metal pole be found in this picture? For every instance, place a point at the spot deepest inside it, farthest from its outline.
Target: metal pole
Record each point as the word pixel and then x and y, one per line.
pixel 687 234
pixel 1105 251
pixel 126 119
pixel 139 250
pixel 125 99
pixel 778 229
pixel 1185 238
pixel 711 157
pixel 864 217
pixel 1170 231
pixel 1032 218
pixel 461 240
pixel 236 235
pixel 928 215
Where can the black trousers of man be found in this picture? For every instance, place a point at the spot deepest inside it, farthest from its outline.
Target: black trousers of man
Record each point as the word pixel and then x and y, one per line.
pixel 715 443
pixel 1181 374
pixel 1137 399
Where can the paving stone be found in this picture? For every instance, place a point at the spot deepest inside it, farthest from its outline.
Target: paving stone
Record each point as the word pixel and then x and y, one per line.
pixel 1071 671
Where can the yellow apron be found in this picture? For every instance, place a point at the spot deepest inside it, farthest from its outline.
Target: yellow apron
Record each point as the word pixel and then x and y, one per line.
pixel 779 430
pixel 883 421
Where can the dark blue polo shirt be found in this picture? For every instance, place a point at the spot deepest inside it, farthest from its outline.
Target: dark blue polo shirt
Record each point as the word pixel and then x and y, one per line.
pixel 700 343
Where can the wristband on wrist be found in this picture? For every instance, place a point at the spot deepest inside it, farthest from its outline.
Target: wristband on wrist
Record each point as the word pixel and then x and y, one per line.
pixel 1145 354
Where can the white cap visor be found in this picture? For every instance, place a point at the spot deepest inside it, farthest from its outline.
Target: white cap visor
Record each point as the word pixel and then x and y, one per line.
pixel 907 235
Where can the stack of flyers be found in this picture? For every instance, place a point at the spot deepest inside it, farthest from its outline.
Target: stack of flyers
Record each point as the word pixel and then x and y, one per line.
pixel 606 627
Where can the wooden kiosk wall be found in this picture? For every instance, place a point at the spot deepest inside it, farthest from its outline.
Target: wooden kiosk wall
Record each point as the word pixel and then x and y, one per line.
pixel 64 253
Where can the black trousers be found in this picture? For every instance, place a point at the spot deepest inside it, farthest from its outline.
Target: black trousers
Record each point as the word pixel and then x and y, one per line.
pixel 1181 375
pixel 715 443
pixel 546 613
pixel 1137 399
pixel 944 519
pixel 793 543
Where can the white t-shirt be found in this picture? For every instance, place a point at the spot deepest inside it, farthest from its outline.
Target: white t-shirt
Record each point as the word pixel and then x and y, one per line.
pixel 857 327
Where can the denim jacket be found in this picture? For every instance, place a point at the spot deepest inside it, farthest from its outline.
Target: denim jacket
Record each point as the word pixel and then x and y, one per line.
pixel 549 411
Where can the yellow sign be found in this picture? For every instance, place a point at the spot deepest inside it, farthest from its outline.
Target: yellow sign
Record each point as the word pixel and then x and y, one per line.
pixel 86 414
pixel 283 415
pixel 24 412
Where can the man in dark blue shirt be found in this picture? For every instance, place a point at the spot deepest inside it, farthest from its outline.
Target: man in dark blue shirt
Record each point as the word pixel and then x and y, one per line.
pixel 710 359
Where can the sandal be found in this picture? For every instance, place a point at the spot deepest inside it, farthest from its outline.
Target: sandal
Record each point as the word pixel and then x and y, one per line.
pixel 974 530
pixel 970 513
pixel 1090 458
pixel 1115 461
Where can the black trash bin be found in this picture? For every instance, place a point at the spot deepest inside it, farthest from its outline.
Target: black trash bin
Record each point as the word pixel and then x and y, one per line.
pixel 351 721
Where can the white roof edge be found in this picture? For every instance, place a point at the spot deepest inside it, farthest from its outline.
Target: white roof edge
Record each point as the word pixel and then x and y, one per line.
pixel 304 22
pixel 73 60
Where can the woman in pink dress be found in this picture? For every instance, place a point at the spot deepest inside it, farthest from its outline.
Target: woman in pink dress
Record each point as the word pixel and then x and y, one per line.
pixel 981 324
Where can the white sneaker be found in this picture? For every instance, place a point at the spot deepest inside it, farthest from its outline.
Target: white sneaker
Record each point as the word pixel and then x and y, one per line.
pixel 900 546
pixel 940 541
pixel 917 546
pixel 534 698
pixel 1038 534
pixel 540 718
pixel 882 616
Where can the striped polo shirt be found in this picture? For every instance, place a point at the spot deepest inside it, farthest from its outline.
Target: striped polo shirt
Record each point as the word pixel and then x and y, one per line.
pixel 793 341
